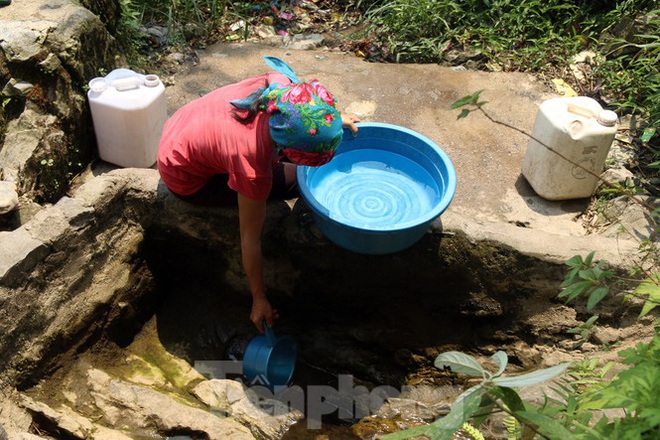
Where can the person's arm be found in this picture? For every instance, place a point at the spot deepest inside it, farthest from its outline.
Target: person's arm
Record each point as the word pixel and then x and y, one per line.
pixel 252 214
pixel 348 120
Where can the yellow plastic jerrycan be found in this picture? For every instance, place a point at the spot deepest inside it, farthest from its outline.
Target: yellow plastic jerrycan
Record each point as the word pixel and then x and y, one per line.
pixel 578 129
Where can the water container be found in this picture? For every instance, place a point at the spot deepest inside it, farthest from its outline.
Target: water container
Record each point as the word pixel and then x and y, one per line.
pixel 578 129
pixel 129 111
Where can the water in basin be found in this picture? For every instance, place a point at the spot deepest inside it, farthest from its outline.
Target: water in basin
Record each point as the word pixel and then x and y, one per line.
pixel 375 189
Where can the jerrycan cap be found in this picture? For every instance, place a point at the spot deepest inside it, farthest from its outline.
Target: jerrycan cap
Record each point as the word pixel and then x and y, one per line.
pixel 151 80
pixel 607 118
pixel 98 85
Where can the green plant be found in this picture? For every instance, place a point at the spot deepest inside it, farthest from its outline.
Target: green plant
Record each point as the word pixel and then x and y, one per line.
pixel 195 21
pixel 128 30
pixel 589 278
pixel 636 390
pixel 587 374
pixel 572 410
pixel 586 277
pixel 649 290
pixel 584 331
pixel 494 393
pixel 469 432
pixel 512 427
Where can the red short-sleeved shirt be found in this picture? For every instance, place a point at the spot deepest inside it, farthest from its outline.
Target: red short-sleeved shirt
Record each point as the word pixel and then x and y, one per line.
pixel 203 139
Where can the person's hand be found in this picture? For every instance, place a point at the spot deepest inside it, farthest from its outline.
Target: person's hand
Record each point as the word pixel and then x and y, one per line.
pixel 349 121
pixel 262 311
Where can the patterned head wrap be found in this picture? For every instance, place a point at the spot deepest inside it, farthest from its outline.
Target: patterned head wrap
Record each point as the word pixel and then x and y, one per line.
pixel 304 121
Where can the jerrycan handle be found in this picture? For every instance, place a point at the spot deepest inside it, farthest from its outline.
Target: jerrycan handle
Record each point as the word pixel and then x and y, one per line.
pixel 270 334
pixel 581 111
pixel 129 83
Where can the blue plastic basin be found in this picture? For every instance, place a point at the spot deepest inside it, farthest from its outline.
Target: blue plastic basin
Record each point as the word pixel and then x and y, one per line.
pixel 381 191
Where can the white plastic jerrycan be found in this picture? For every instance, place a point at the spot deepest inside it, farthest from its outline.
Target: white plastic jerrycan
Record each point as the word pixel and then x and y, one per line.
pixel 129 111
pixel 578 129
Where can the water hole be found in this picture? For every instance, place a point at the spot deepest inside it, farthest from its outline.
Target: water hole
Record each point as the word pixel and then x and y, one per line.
pixel 377 321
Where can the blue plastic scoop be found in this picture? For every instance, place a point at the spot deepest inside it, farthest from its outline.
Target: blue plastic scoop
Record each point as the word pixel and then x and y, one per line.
pixel 270 360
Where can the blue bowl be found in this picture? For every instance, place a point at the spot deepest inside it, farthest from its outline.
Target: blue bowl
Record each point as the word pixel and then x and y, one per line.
pixel 381 191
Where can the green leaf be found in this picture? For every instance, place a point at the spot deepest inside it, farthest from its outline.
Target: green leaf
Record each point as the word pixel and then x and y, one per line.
pixel 467 100
pixel 531 378
pixel 510 398
pixel 575 289
pixel 589 258
pixel 545 425
pixel 651 289
pixel 408 433
pixel 463 114
pixel 475 97
pixel 596 296
pixel 459 363
pixel 590 322
pixel 501 359
pixel 463 408
pixel 570 277
pixel 575 261
pixel 589 274
pixel 646 308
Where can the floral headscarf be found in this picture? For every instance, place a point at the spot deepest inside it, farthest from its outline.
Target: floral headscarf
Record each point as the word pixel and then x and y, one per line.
pixel 304 121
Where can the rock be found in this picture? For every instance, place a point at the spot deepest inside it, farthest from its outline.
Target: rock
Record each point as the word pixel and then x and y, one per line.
pixel 17 88
pixel 622 154
pixel 137 408
pixel 193 30
pixel 152 364
pixel 616 175
pixel 303 41
pixel 13 417
pixel 362 109
pixel 66 420
pixel 103 433
pixel 586 56
pixel 20 252
pixel 93 264
pixel 468 58
pixel 629 218
pixel 8 197
pixel 582 63
pixel 155 35
pixel 23 138
pixel 415 406
pixel 266 33
pixel 559 357
pixel 45 66
pixel 267 418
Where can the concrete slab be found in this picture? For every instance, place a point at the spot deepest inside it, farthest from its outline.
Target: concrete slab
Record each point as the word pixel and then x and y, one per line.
pixel 487 155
